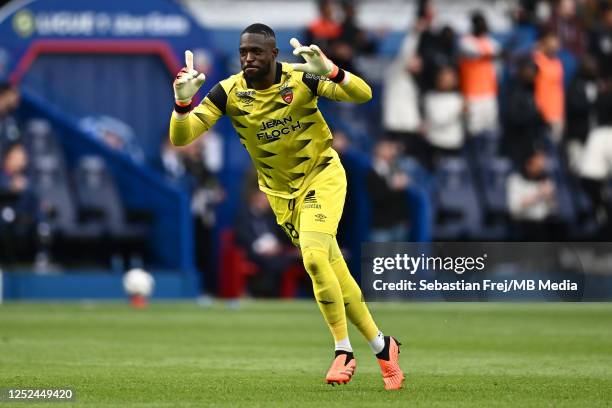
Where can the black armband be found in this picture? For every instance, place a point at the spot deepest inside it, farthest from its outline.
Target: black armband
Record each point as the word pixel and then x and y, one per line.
pixel 182 108
pixel 339 76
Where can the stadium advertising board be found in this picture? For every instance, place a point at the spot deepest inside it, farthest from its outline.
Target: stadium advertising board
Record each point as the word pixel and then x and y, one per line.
pixel 25 23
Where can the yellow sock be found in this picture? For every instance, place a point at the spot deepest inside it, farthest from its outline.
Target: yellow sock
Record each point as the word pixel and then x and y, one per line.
pixel 315 248
pixel 354 304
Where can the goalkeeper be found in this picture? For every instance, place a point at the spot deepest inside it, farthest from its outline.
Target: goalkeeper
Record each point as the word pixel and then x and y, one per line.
pixel 273 107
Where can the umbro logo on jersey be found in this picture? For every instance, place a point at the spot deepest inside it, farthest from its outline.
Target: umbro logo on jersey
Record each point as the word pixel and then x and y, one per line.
pixel 246 97
pixel 287 94
pixel 245 94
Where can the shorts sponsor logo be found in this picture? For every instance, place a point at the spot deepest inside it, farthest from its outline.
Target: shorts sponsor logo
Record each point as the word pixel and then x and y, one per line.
pixel 310 197
pixel 320 217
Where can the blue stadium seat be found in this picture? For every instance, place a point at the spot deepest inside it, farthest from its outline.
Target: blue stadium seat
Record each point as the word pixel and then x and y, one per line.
pixel 587 223
pixel 494 174
pixel 43 147
pixel 57 203
pixel 491 174
pixel 40 140
pixel 458 213
pixel 566 210
pixel 418 174
pixel 100 205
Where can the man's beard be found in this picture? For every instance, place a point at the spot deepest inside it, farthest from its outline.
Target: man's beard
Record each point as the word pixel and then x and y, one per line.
pixel 259 74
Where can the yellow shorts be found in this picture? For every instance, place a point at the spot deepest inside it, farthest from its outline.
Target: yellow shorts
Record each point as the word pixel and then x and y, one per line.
pixel 317 209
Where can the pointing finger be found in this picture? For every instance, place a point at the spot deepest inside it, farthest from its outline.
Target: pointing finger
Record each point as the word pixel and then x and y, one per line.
pixel 295 43
pixel 189 60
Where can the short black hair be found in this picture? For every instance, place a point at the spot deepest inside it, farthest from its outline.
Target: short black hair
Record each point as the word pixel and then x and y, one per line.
pixel 422 8
pixel 259 28
pixel 479 23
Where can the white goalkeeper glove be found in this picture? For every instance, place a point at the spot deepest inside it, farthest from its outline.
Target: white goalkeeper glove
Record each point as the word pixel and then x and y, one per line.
pixel 187 81
pixel 316 62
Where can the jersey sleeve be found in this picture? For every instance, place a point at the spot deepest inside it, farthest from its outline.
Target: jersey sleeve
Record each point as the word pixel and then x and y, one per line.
pixel 350 89
pixel 185 129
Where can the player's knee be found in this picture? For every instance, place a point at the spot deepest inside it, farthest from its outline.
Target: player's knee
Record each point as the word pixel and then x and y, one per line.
pixel 314 260
pixel 315 253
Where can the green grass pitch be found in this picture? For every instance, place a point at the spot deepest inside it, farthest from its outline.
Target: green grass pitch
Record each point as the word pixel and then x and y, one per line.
pixel 275 354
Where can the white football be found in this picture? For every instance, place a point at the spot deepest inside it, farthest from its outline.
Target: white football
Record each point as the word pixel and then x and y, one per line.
pixel 138 282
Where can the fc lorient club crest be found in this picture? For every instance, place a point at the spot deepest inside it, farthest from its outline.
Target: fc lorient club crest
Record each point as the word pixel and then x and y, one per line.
pixel 286 94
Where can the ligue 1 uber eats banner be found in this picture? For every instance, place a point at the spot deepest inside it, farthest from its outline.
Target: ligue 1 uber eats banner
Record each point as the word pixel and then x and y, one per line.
pixel 24 24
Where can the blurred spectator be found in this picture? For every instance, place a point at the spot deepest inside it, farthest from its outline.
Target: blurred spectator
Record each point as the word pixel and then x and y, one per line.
pixel 400 110
pixel 340 142
pixel 597 160
pixel 115 133
pixel 387 185
pixel 444 115
pixel 448 53
pixel 532 200
pixel 523 125
pixel 353 41
pixel 9 102
pixel 478 77
pixel 596 163
pixel 521 36
pixel 549 92
pixel 436 48
pixel 192 168
pixel 568 27
pixel 14 166
pixel 601 42
pixel 18 204
pixel 325 30
pixel 579 109
pixel 265 244
pixel 525 12
pixel 172 161
pixel 206 194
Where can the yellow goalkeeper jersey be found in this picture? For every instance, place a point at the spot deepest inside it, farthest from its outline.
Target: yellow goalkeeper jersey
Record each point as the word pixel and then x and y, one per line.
pixel 281 127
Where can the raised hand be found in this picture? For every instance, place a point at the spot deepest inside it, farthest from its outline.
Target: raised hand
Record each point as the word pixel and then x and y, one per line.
pixel 187 81
pixel 316 62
